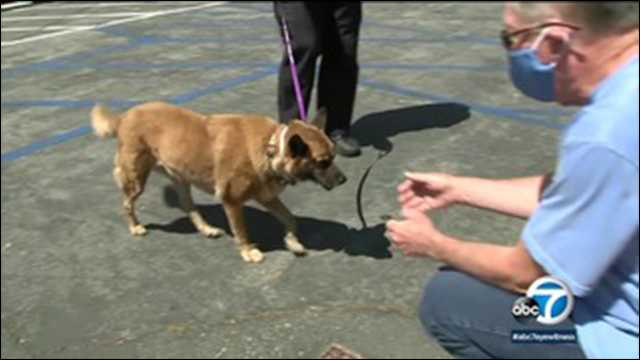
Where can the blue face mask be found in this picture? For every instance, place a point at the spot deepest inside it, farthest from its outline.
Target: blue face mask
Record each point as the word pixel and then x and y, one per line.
pixel 530 75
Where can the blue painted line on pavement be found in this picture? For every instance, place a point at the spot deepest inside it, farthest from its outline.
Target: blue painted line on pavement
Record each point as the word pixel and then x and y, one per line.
pixel 40 145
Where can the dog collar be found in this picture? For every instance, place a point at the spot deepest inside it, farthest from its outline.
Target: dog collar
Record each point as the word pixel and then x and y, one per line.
pixel 277 142
pixel 277 148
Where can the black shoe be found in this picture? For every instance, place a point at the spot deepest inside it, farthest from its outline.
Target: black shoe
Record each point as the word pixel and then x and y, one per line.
pixel 345 144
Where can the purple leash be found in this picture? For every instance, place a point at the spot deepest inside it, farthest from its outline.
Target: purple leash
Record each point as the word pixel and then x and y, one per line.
pixel 303 115
pixel 294 70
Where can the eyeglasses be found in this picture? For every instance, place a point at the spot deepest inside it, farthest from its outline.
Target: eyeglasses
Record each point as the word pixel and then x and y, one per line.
pixel 508 38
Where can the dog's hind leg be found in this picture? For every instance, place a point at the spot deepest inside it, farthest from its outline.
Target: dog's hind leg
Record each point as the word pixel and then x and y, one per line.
pixel 235 216
pixel 186 203
pixel 280 211
pixel 131 173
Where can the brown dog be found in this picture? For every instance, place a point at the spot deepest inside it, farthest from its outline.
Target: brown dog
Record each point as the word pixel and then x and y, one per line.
pixel 237 157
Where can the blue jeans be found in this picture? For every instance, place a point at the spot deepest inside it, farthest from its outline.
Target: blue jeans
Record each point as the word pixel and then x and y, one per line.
pixel 472 319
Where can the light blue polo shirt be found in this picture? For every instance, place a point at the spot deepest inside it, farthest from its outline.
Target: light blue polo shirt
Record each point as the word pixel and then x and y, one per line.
pixel 585 230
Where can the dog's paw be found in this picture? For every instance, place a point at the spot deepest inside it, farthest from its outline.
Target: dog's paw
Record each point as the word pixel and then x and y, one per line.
pixel 211 232
pixel 252 255
pixel 294 245
pixel 138 230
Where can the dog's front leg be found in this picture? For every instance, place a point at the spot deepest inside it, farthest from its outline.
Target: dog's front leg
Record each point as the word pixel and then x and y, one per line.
pixel 248 251
pixel 280 211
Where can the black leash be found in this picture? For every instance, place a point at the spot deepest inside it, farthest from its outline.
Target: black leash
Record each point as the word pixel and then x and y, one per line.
pixel 381 154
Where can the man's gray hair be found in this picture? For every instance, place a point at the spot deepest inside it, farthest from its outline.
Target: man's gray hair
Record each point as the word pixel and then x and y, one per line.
pixel 533 12
pixel 594 16
pixel 603 16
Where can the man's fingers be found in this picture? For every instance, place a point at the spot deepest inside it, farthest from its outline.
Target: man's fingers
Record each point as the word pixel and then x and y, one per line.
pixel 404 191
pixel 391 235
pixel 411 188
pixel 394 230
pixel 392 225
pixel 425 206
pixel 419 177
pixel 414 203
pixel 410 213
pixel 405 186
pixel 403 198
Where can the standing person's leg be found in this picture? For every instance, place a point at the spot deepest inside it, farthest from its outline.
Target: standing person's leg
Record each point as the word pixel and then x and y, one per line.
pixel 339 72
pixel 304 22
pixel 472 319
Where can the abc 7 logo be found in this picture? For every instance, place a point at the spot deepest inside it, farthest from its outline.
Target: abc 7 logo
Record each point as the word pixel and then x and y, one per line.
pixel 548 300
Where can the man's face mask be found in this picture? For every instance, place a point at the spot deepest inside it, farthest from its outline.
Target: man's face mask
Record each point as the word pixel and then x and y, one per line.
pixel 530 75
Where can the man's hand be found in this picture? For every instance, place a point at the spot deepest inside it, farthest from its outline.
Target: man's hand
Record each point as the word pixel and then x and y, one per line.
pixel 416 235
pixel 427 191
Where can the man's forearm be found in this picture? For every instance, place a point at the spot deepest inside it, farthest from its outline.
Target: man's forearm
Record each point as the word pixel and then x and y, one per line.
pixel 516 197
pixel 508 267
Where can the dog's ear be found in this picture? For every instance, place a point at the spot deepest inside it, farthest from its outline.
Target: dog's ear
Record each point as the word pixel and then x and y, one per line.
pixel 298 147
pixel 320 121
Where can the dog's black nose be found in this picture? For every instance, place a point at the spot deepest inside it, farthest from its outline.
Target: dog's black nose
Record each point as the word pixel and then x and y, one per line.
pixel 342 179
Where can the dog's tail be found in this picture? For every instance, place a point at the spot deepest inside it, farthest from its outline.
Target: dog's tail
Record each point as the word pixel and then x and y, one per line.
pixel 104 122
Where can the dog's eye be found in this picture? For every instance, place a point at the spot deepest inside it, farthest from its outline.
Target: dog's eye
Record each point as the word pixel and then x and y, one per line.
pixel 324 164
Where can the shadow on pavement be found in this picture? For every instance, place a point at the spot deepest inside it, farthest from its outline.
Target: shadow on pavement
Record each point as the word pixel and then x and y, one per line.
pixel 376 129
pixel 268 233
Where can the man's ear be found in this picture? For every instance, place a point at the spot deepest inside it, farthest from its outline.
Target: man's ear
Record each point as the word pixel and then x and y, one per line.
pixel 320 121
pixel 298 147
